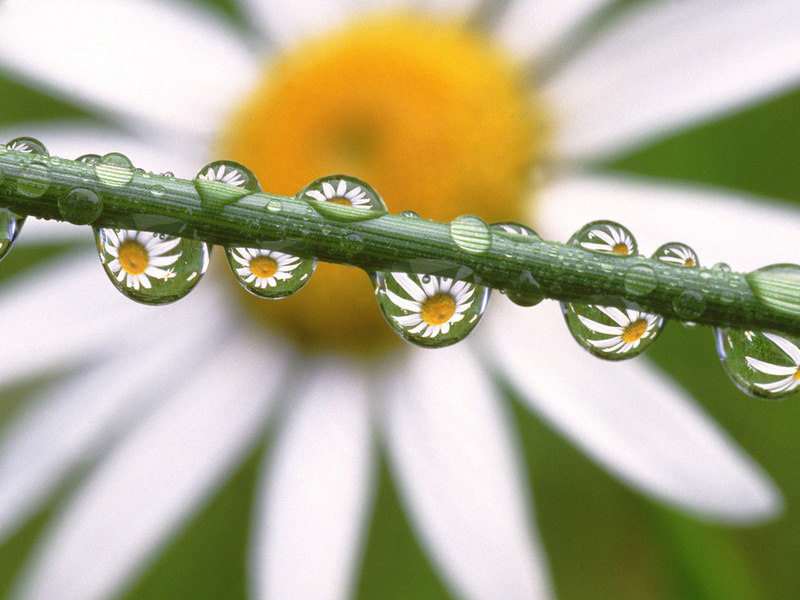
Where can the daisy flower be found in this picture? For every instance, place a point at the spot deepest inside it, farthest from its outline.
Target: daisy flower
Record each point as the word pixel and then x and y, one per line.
pixel 434 304
pixel 448 109
pixel 139 255
pixel 224 174
pixel 678 254
pixel 632 326
pixel 264 268
pixel 356 197
pixel 611 240
pixel 790 374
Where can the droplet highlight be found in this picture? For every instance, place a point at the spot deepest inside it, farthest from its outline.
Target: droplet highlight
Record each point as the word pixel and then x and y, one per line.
pixel 612 333
pixel 344 198
pixel 151 268
pixel 269 273
pixel 430 311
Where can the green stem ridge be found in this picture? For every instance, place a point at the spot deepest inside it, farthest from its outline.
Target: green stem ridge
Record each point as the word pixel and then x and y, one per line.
pixel 35 185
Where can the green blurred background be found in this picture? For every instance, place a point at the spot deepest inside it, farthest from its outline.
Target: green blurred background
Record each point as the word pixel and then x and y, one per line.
pixel 603 540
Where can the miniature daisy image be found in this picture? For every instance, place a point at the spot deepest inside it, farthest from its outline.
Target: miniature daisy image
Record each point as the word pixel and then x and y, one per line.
pixel 630 329
pixel 434 303
pixel 678 254
pixel 224 174
pixel 355 197
pixel 789 374
pixel 611 239
pixel 263 268
pixel 139 256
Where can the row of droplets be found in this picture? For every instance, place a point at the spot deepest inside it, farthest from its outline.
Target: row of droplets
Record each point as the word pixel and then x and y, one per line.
pixel 427 310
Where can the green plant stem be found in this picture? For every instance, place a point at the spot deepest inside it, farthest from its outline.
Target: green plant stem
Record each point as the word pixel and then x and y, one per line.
pixel 33 185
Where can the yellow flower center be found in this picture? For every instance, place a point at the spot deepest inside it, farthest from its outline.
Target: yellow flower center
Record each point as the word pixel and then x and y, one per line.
pixel 263 267
pixel 428 112
pixel 688 262
pixel 438 309
pixel 796 375
pixel 620 249
pixel 133 257
pixel 634 331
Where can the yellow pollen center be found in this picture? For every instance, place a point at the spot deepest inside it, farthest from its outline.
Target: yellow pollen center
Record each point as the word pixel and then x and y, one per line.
pixel 634 331
pixel 428 112
pixel 263 267
pixel 133 257
pixel 689 262
pixel 620 249
pixel 438 309
pixel 796 375
pixel 341 200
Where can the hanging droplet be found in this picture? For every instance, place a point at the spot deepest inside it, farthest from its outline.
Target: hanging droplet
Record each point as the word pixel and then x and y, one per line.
pixel 430 311
pixel 763 365
pixel 605 237
pixel 344 198
pixel 10 224
pixel 223 182
pixel 27 145
pixel 471 234
pixel 114 169
pixel 151 268
pixel 269 273
pixel 80 206
pixel 612 333
pixel 677 253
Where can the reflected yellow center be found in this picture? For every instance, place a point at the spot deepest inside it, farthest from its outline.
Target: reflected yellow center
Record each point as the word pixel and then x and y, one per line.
pixel 796 375
pixel 620 249
pixel 263 267
pixel 688 262
pixel 430 113
pixel 133 257
pixel 438 309
pixel 634 331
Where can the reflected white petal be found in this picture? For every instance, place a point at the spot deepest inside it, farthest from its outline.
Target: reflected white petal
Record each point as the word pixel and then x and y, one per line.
pixel 316 489
pixel 452 449
pixel 630 418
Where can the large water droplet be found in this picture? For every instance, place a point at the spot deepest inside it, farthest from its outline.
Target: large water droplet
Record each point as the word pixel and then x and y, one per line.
pixel 343 198
pixel 151 268
pixel 28 145
pixel 430 311
pixel 689 304
pixel 640 280
pixel 224 181
pixel 763 365
pixel 605 237
pixel 80 206
pixel 677 253
pixel 612 333
pixel 471 234
pixel 10 224
pixel 114 169
pixel 34 181
pixel 269 273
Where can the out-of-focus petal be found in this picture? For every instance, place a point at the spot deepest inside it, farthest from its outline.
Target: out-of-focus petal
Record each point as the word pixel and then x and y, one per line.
pixel 744 231
pixel 461 477
pixel 78 417
pixel 159 475
pixel 450 8
pixel 667 65
pixel 629 417
pixel 530 28
pixel 172 65
pixel 316 490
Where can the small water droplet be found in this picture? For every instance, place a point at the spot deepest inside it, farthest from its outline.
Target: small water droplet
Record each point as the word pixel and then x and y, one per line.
pixel 269 273
pixel 514 230
pixel 471 234
pixel 151 268
pixel 430 311
pixel 275 206
pixel 34 181
pixel 353 242
pixel 528 294
pixel 677 253
pixel 27 145
pixel 91 159
pixel 114 169
pixel 158 190
pixel 605 237
pixel 640 280
pixel 80 206
pixel 689 304
pixel 763 365
pixel 10 225
pixel 612 333
pixel 223 182
pixel 168 174
pixel 721 266
pixel 409 213
pixel 343 198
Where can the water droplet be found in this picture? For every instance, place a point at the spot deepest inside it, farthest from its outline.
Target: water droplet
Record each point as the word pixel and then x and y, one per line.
pixel 269 273
pixel 471 234
pixel 353 242
pixel 690 304
pixel 721 266
pixel 224 181
pixel 168 174
pixel 612 333
pixel 677 253
pixel 114 169
pixel 80 206
pixel 151 268
pixel 34 181
pixel 158 190
pixel 605 237
pixel 514 230
pixel 275 206
pixel 343 198
pixel 27 145
pixel 91 159
pixel 409 213
pixel 430 311
pixel 763 365
pixel 10 225
pixel 528 294
pixel 640 280
pixel 777 286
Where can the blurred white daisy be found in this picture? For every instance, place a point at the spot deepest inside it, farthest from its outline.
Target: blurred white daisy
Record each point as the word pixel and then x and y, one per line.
pixel 436 117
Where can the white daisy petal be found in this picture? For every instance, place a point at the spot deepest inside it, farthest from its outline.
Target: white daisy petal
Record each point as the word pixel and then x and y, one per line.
pixel 630 418
pixel 599 327
pixel 788 347
pixel 667 65
pixel 410 286
pixel 158 476
pixel 287 22
pixel 719 225
pixel 459 8
pixel 315 491
pixel 459 475
pixel 770 368
pixel 144 68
